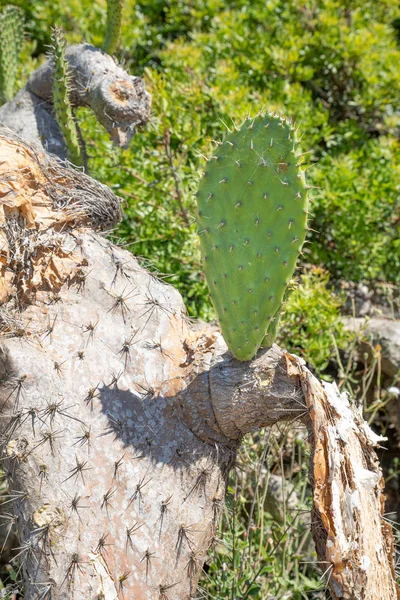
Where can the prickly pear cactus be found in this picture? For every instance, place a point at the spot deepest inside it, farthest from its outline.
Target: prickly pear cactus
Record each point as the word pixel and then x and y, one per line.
pixel 114 17
pixel 252 221
pixel 61 101
pixel 11 38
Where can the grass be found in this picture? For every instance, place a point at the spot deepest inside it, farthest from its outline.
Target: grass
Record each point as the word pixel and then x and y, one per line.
pixel 264 547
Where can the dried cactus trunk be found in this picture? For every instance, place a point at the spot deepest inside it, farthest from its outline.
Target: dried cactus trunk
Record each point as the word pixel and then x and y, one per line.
pixel 119 101
pixel 120 421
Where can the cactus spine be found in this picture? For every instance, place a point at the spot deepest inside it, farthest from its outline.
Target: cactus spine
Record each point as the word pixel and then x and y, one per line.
pixel 252 222
pixel 61 101
pixel 11 38
pixel 114 18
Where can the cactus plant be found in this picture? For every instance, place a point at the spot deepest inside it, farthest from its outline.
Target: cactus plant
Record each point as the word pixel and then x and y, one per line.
pixel 252 221
pixel 61 100
pixel 114 17
pixel 119 421
pixel 11 37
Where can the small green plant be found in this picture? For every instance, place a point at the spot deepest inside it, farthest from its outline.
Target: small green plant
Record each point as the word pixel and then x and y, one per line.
pixel 11 38
pixel 252 222
pixel 114 18
pixel 61 101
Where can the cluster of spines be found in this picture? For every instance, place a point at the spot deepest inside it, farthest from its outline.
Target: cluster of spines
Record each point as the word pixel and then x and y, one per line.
pixel 11 38
pixel 61 99
pixel 113 27
pixel 252 222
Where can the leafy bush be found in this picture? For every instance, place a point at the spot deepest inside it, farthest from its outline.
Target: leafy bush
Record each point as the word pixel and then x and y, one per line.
pixel 311 319
pixel 357 212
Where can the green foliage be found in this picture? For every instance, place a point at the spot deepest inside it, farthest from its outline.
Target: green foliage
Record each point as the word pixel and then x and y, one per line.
pixel 11 39
pixel 357 212
pixel 61 101
pixel 230 60
pixel 310 325
pixel 252 221
pixel 114 18
pixel 81 20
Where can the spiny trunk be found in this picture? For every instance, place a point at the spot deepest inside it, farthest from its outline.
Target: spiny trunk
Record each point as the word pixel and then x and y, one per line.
pixel 120 421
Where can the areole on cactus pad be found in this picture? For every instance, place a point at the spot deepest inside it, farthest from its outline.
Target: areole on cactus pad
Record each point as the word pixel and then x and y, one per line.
pixel 252 222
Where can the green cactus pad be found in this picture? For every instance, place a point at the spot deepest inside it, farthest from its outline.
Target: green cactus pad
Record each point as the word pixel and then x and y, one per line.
pixel 114 18
pixel 61 101
pixel 11 39
pixel 252 221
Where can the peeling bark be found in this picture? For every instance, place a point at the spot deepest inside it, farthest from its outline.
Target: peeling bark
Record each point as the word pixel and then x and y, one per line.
pixel 348 484
pixel 120 421
pixel 119 101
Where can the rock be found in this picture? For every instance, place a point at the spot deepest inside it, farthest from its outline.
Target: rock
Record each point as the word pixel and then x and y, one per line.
pixel 382 331
pixel 380 300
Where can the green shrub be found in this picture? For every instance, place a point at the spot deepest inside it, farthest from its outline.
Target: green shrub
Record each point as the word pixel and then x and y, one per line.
pixel 311 320
pixel 357 212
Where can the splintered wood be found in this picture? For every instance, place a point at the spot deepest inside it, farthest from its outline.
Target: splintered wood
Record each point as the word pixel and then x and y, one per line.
pixel 349 526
